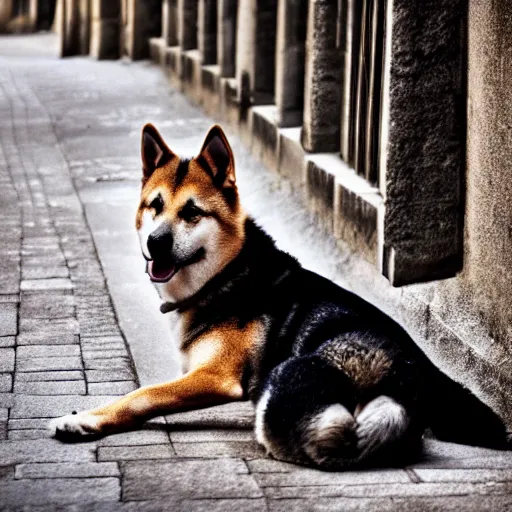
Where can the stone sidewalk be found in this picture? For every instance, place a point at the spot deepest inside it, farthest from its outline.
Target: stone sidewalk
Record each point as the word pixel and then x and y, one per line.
pixel 79 322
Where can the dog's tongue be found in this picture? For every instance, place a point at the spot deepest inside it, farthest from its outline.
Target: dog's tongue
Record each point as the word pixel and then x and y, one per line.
pixel 161 271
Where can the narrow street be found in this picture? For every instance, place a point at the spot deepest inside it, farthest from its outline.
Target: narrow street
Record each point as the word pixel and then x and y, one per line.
pixel 80 321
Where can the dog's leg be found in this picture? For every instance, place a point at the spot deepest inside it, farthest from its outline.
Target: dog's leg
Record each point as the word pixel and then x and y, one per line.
pixel 197 389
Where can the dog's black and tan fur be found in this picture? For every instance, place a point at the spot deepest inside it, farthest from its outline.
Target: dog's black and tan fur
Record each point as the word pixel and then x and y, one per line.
pixel 335 381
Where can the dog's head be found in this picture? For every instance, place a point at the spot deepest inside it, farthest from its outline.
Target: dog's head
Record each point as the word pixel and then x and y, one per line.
pixel 189 220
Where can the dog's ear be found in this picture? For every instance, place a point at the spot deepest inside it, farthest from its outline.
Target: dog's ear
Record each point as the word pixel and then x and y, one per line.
pixel 216 157
pixel 154 150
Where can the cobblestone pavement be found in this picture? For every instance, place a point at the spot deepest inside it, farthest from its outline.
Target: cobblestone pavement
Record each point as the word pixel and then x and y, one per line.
pixel 79 322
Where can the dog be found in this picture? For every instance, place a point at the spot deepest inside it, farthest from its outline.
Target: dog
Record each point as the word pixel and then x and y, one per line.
pixel 335 382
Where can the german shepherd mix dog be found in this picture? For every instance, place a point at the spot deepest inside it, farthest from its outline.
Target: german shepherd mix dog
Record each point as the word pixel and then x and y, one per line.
pixel 335 382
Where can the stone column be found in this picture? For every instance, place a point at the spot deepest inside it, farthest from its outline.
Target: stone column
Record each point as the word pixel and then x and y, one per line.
pixel 290 55
pixel 33 11
pixel 85 27
pixel 105 29
pixel 170 22
pixel 5 14
pixel 207 31
pixel 143 20
pixel 226 36
pixel 425 139
pixel 321 127
pixel 70 27
pixel 187 24
pixel 256 49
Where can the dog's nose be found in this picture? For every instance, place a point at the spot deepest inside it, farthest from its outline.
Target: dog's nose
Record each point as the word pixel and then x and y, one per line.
pixel 160 241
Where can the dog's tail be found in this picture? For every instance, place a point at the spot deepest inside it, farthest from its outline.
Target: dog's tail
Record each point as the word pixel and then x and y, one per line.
pixel 304 416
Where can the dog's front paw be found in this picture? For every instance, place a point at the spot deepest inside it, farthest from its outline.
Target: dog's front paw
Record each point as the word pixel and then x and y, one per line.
pixel 76 425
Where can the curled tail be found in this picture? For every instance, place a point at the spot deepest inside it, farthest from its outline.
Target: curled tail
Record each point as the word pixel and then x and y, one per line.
pixel 309 413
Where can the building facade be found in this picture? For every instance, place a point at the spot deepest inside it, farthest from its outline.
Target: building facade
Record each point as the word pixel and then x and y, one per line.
pixel 389 117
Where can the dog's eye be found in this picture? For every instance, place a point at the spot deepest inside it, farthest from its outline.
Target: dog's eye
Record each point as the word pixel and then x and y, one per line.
pixel 157 204
pixel 190 212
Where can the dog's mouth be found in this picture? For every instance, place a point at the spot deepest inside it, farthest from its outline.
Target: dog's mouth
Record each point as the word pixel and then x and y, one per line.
pixel 163 270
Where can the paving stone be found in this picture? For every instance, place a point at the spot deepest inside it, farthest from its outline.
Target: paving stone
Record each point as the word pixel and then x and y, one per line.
pixel 226 505
pixel 388 490
pixel 67 470
pixel 37 338
pixel 146 436
pixel 116 363
pixel 101 340
pixel 8 319
pixel 223 478
pixel 498 461
pixel 464 475
pixel 104 354
pixel 4 413
pixel 70 387
pixel 32 424
pixel 109 375
pixel 219 449
pixel 113 453
pixel 46 284
pixel 111 388
pixel 52 376
pixel 99 347
pixel 3 430
pixel 47 351
pixel 9 298
pixel 270 466
pixel 19 435
pixel 6 400
pixel 39 272
pixel 7 341
pixel 36 312
pixel 49 325
pixel 202 436
pixel 45 450
pixel 395 504
pixel 44 492
pixel 49 363
pixel 5 382
pixel 6 359
pixel 30 406
pixel 306 477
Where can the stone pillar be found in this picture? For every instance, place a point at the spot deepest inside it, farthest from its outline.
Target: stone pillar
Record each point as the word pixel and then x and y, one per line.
pixel 33 8
pixel 84 36
pixel 70 28
pixel 207 31
pixel 187 24
pixel 170 22
pixel 226 36
pixel 321 127
pixel 45 14
pixel 290 55
pixel 5 14
pixel 105 29
pixel 142 19
pixel 256 50
pixel 423 148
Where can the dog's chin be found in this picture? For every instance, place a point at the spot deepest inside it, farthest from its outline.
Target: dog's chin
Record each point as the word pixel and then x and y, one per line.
pixel 162 271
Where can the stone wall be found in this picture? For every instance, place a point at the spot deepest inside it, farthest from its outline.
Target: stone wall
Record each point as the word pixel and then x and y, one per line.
pixel 488 227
